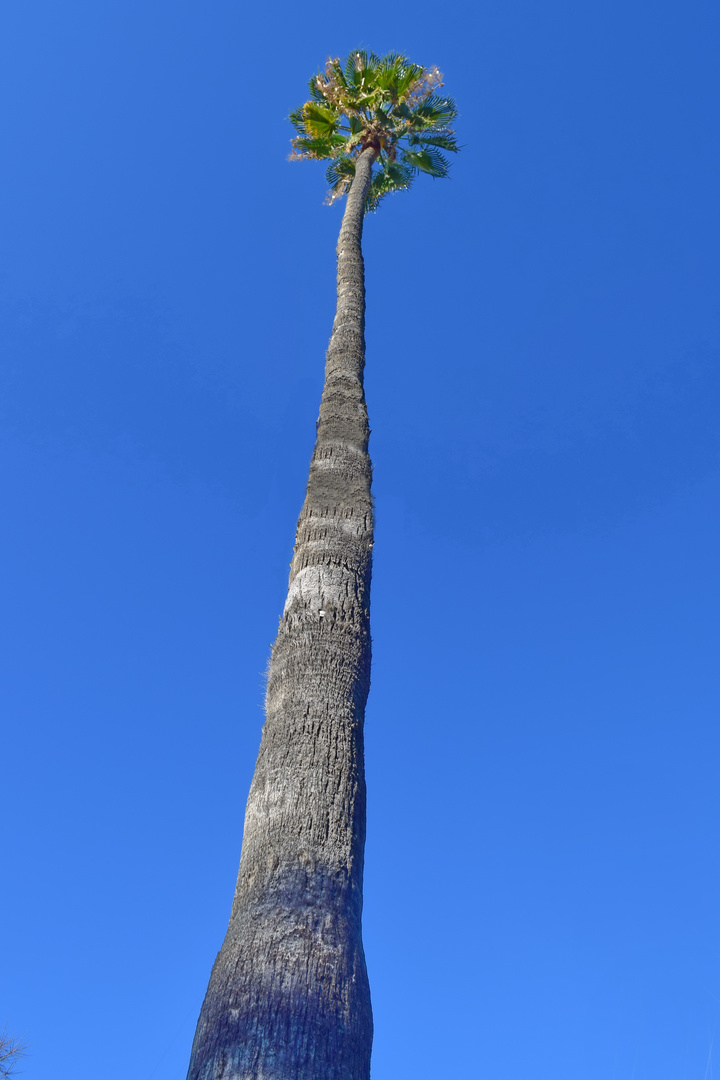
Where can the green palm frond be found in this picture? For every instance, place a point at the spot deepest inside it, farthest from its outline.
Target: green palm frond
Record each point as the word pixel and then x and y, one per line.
pixel 319 120
pixel 429 161
pixel 341 169
pixel 355 64
pixel 383 102
pixel 436 110
pixel 394 176
pixel 337 68
pixel 316 93
pixel 395 76
pixel 318 148
pixel 407 77
pixel 297 120
pixel 392 61
pixel 443 142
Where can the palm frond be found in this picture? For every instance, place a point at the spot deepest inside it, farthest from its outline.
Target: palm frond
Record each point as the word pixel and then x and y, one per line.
pixel 319 119
pixel 444 142
pixel 316 93
pixel 327 146
pixel 436 110
pixel 429 161
pixel 393 61
pixel 342 168
pixel 390 72
pixel 351 65
pixel 298 121
pixel 339 175
pixel 334 72
pixel 407 78
pixel 395 176
pixel 360 105
pixel 360 67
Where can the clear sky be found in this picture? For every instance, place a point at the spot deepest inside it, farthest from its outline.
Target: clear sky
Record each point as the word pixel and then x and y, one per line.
pixel 542 875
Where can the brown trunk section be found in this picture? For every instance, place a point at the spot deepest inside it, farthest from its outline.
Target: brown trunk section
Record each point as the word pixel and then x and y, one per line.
pixel 288 997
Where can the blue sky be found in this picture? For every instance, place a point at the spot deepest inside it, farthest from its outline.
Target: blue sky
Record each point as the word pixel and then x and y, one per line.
pixel 542 886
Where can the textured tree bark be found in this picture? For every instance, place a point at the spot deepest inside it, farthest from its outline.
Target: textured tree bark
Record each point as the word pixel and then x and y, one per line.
pixel 289 997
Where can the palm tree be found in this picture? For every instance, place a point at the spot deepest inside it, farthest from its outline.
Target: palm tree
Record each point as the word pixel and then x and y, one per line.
pixel 288 997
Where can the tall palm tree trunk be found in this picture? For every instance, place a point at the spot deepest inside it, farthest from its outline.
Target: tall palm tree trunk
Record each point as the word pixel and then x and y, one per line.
pixel 288 997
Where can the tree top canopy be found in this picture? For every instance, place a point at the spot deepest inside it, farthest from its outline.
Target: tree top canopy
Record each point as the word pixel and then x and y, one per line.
pixel 384 102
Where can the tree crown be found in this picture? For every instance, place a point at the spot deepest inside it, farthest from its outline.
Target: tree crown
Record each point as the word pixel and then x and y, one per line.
pixel 385 103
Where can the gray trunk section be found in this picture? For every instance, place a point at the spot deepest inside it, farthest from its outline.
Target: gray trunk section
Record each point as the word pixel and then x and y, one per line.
pixel 288 997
